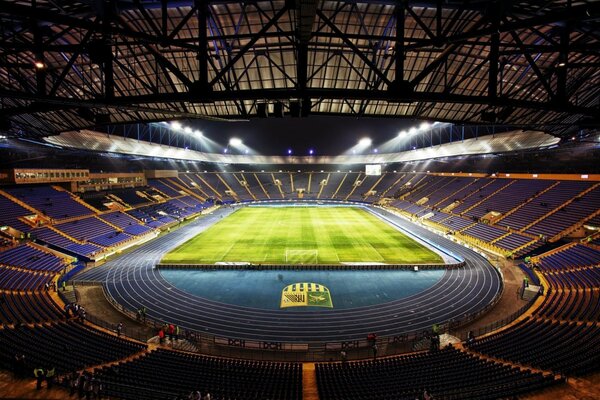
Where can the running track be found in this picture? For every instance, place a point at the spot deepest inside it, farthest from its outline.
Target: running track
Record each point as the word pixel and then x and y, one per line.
pixel 132 281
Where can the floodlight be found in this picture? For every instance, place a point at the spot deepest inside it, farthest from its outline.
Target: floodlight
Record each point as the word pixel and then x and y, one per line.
pixel 311 152
pixel 39 65
pixel 402 133
pixel 235 142
pixel 198 133
pixel 424 126
pixel 225 150
pixel 289 151
pixel 188 130
pixel 365 142
pixel 375 151
pixel 412 131
pixel 175 125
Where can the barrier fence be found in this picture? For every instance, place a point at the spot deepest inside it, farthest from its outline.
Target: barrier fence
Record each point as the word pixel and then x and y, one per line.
pixel 208 344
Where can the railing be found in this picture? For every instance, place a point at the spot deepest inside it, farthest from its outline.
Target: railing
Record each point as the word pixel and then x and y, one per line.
pixel 498 324
pixel 231 347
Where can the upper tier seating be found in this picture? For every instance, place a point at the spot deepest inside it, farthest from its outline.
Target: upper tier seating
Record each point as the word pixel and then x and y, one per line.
pixel 68 346
pixel 165 374
pixel 446 374
pixel 510 197
pixel 481 194
pixel 448 189
pixel 163 187
pixel 566 347
pixel 469 188
pixel 543 204
pixel 567 216
pixel 30 257
pixel 11 212
pixel 49 201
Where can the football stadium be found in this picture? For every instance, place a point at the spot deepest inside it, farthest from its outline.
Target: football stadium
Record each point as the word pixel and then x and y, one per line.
pixel 299 199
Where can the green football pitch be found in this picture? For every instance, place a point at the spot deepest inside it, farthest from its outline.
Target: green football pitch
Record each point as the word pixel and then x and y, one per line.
pixel 301 235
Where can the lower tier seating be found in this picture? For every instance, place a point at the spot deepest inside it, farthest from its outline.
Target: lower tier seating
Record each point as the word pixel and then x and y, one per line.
pixel 566 347
pixel 165 374
pixel 445 374
pixel 13 279
pixel 27 308
pixel 68 346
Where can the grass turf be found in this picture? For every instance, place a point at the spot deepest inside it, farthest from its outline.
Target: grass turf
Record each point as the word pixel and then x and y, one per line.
pixel 263 235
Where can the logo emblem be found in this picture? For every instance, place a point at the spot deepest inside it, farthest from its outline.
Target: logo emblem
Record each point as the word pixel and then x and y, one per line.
pixel 305 295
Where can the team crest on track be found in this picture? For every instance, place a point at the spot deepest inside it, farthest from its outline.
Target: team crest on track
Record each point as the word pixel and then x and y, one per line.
pixel 305 295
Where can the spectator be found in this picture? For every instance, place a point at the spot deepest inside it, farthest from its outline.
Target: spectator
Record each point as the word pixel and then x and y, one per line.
pixel 161 335
pixel 40 375
pixel 344 357
pixel 119 328
pixel 374 348
pixel 64 286
pixel 50 374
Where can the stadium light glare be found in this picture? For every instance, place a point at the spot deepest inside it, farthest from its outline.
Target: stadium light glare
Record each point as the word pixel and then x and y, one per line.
pixel 375 151
pixel 198 133
pixel 311 152
pixel 402 134
pixel 425 126
pixel 188 130
pixel 225 150
pixel 175 125
pixel 39 65
pixel 235 141
pixel 365 142
pixel 412 131
pixel 289 152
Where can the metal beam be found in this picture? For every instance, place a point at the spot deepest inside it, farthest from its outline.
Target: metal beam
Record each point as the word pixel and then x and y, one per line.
pixel 248 45
pixel 352 46
pixel 284 94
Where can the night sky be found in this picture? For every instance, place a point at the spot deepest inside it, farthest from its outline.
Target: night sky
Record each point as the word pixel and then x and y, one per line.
pixel 326 135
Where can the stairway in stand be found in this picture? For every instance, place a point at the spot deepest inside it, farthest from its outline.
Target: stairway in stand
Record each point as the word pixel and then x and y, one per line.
pixel 309 382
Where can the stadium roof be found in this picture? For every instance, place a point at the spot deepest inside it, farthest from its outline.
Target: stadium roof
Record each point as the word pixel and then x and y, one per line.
pixel 68 65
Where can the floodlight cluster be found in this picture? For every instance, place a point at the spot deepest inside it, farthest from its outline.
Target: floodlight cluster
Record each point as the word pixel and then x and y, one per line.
pixel 425 126
pixel 178 127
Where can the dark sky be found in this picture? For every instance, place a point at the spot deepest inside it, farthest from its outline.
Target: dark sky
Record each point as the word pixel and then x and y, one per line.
pixel 326 135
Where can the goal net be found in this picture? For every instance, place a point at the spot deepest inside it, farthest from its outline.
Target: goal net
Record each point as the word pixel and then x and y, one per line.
pixel 301 256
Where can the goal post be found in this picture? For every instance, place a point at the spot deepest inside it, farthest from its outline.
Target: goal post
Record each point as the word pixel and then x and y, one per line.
pixel 294 256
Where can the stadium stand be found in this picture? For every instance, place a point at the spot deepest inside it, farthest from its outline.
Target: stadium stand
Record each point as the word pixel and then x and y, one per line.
pixel 29 257
pixel 533 342
pixel 62 242
pixel 13 279
pixel 129 225
pixel 573 256
pixel 94 230
pixel 28 308
pixel 55 204
pixel 163 187
pixel 68 346
pixel 162 373
pixel 446 374
pixel 11 212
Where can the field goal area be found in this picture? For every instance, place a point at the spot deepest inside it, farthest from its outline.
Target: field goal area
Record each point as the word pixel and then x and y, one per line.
pixel 305 257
